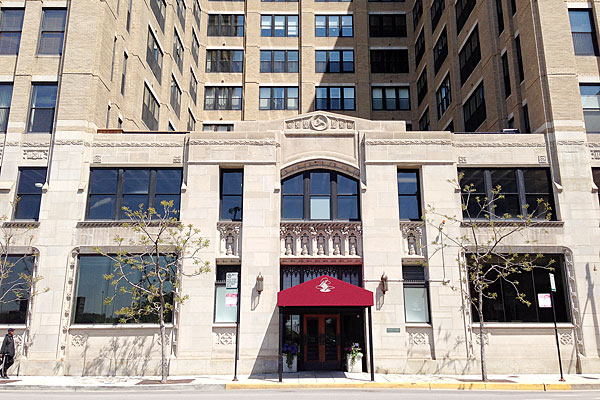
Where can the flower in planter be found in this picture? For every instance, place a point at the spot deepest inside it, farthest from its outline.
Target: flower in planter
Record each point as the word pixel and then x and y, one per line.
pixel 353 351
pixel 290 351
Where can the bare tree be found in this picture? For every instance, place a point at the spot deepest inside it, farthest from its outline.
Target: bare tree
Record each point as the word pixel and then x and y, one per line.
pixel 485 247
pixel 149 267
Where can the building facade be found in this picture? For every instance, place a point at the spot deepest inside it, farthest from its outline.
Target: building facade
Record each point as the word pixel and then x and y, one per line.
pixel 298 172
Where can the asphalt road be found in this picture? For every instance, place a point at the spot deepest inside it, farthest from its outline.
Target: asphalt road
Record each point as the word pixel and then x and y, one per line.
pixel 305 394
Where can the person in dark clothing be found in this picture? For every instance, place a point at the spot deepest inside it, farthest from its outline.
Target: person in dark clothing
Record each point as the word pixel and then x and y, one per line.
pixel 8 352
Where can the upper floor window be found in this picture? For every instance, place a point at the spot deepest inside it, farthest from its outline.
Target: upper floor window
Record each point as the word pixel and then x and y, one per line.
pixel 437 9
pixel 409 194
pixel 469 56
pixel 334 25
pixel 335 98
pixel 195 48
pixel 111 189
pixel 178 51
pixel 43 104
pixel 417 12
pixel 387 25
pixel 518 193
pixel 474 112
pixel 278 25
pixel 181 12
pixel 390 98
pixel 193 87
pixel 386 1
pixel 463 11
pixel 389 61
pixel 29 193
pixel 217 127
pixel 150 109
pixel 583 32
pixel 225 25
pixel 224 60
pixel 506 75
pixel 596 178
pixel 320 195
pixel 334 61
pixel 159 8
pixel 424 122
pixel 590 99
pixel 279 61
pixel 11 25
pixel 222 98
pixel 175 99
pixel 422 86
pixel 52 31
pixel 197 11
pixel 500 16
pixel 443 97
pixel 526 123
pixel 420 47
pixel 6 90
pixel 124 74
pixel 440 51
pixel 519 59
pixel 232 190
pixel 15 288
pixel 278 98
pixel 191 123
pixel 154 56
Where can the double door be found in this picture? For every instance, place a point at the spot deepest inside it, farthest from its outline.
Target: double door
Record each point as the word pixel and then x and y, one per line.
pixel 322 349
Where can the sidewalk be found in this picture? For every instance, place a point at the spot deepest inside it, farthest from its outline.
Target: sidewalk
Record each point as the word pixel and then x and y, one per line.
pixel 304 380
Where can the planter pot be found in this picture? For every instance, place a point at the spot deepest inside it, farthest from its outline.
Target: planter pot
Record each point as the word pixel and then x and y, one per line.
pixel 355 366
pixel 293 367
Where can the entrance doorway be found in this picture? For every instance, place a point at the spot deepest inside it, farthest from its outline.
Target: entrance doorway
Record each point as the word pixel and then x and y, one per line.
pixel 321 334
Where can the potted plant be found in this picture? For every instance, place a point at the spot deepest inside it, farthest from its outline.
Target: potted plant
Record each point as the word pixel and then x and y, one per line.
pixel 354 357
pixel 290 352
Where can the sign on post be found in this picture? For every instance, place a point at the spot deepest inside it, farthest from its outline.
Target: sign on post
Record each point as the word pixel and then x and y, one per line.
pixel 552 283
pixel 544 300
pixel 231 280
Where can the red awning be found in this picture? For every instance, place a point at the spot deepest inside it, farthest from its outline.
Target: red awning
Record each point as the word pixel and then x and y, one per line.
pixel 325 291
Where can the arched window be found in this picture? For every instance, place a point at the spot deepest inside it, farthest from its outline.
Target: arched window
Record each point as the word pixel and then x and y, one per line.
pixel 320 195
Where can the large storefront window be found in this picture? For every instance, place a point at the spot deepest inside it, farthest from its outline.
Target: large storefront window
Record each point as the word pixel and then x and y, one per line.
pixel 226 300
pixel 506 307
pixel 15 288
pixel 320 195
pixel 292 275
pixel 93 289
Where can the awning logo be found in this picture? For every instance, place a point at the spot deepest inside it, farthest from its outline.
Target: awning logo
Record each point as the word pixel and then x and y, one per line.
pixel 325 286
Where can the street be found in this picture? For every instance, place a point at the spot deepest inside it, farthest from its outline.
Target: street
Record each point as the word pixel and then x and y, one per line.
pixel 305 394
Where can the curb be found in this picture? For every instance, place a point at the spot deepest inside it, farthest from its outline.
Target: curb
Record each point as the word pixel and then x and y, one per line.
pixel 129 388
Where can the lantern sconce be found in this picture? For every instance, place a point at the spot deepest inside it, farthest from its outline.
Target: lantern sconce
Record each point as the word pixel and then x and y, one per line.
pixel 259 283
pixel 384 283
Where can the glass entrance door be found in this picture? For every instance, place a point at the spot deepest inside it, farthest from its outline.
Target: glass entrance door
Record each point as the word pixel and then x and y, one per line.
pixel 322 342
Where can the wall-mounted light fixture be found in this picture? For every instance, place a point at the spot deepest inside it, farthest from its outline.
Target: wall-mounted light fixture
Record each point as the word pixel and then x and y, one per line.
pixel 259 283
pixel 384 283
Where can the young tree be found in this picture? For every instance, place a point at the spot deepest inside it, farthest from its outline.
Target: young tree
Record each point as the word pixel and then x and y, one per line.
pixel 485 247
pixel 151 273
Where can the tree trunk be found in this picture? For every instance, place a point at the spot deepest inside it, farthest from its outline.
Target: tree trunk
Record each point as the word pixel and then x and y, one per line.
pixel 481 338
pixel 164 370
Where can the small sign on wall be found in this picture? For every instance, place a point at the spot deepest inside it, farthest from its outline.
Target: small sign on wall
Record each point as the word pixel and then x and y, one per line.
pixel 544 300
pixel 231 280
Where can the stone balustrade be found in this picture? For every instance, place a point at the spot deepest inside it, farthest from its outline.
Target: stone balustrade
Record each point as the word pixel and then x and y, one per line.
pixel 321 239
pixel 230 235
pixel 413 240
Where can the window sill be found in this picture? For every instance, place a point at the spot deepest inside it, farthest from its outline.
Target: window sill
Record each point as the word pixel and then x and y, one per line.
pixel 75 327
pixel 523 325
pixel 502 223
pixel 113 224
pixel 224 325
pixel 21 224
pixel 418 325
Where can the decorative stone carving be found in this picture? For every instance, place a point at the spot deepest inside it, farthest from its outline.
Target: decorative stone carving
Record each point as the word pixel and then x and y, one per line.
pixel 595 154
pixel 570 142
pixel 408 142
pixel 229 234
pixel 565 338
pixel 37 154
pixel 97 159
pixel 224 338
pixel 462 160
pixel 159 339
pixel 413 239
pixel 320 122
pixel 137 144
pixel 321 239
pixel 542 159
pixel 233 142
pixel 78 340
pixel 498 144
pixel 486 338
pixel 321 164
pixel 177 159
pixel 418 339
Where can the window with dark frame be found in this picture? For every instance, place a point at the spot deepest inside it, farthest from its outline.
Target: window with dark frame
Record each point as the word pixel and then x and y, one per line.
pixel 450 127
pixel 6 90
pixel 440 51
pixel 11 26
pixel 409 194
pixel 178 51
pixel 420 47
pixel 334 26
pixel 590 100
pixel 506 75
pixel 443 97
pixel 29 193
pixel 223 98
pixel 335 98
pixel 175 98
pixel 180 7
pixel 217 127
pixel 336 61
pixel 519 59
pixel 424 123
pixel 150 109
pixel 224 60
pixel 52 32
pixel 469 56
pixel 422 86
pixel 225 25
pixel 463 8
pixel 43 104
pixel 437 9
pixel 193 87
pixel 526 124
pixel 279 25
pixel 124 74
pixel 506 307
pixel 195 48
pixel 279 61
pixel 500 16
pixel 191 123
pixel 159 9
pixel 197 12
pixel 111 189
pixel 416 294
pixel 387 25
pixel 596 178
pixel 390 98
pixel 519 190
pixel 474 111
pixel 417 12
pixel 278 98
pixel 226 300
pixel 320 195
pixel 583 32
pixel 16 288
pixel 154 56
pixel 393 61
pixel 232 192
